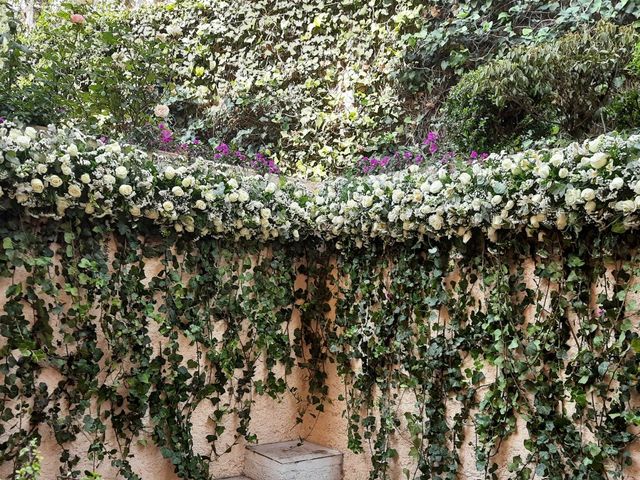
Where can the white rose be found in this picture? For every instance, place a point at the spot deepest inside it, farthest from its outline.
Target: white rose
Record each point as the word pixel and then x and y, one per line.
pixel 599 160
pixel 177 191
pixel 55 181
pixel 543 171
pixel 626 206
pixel 588 194
pixel 168 206
pixel 366 201
pixel 594 145
pixel 563 173
pixel 113 148
pixel 41 168
pixel 397 196
pixel 557 158
pixel 125 190
pixel 590 206
pixel 72 150
pixel 270 188
pixel 169 173
pixel 37 185
pixel 496 200
pixel 151 214
pixel 337 220
pixel 507 164
pixel 243 196
pixel 561 220
pixel 136 211
pixel 496 221
pixel 436 221
pixel 85 178
pixel 89 208
pixel 572 196
pixel 23 141
pixel 200 205
pixel 31 133
pixel 75 191
pixel 616 184
pixel 188 181
pixel 109 179
pixel 233 197
pixel 464 178
pixel 636 188
pixel 66 169
pixel 209 196
pixel 161 111
pixel 233 183
pixel 121 172
pixel 435 187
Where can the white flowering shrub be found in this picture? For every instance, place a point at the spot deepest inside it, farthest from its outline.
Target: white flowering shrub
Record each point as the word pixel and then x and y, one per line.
pixel 596 183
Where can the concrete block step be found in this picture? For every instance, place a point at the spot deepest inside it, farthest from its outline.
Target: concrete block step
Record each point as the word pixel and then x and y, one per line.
pixel 294 460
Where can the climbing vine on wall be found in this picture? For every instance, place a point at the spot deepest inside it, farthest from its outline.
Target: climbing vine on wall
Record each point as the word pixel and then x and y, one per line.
pixel 465 337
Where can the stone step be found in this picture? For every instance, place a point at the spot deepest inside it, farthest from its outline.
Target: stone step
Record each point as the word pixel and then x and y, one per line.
pixel 294 460
pixel 241 477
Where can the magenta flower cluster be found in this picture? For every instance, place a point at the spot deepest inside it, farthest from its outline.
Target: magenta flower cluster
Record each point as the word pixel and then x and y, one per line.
pixel 428 150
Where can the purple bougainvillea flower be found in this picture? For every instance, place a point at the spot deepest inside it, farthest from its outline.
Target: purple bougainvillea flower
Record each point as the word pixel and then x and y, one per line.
pixel 2 120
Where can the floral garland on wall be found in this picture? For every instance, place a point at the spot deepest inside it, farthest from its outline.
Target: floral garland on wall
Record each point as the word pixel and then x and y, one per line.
pixel 594 183
pixel 91 323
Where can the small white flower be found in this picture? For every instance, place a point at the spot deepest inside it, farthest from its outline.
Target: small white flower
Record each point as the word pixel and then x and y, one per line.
pixel 85 178
pixel 397 196
pixel 37 185
pixel 125 190
pixel 563 173
pixel 89 208
pixel 168 206
pixel 200 205
pixel 177 191
pixel 270 188
pixel 55 181
pixel 136 211
pixel 572 196
pixel 496 200
pixel 66 169
pixel 590 206
pixel 121 172
pixel 233 197
pixel 41 168
pixel 464 178
pixel 75 191
pixel 233 183
pixel 113 148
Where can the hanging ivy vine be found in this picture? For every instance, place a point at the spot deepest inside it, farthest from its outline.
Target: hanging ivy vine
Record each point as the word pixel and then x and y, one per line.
pixel 478 336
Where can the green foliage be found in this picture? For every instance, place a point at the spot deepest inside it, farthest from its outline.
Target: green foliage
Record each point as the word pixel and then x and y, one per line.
pixel 95 74
pixel 531 93
pixel 458 36
pixel 29 462
pixel 492 332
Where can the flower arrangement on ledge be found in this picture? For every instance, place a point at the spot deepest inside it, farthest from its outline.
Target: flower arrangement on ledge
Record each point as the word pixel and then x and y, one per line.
pixel 50 173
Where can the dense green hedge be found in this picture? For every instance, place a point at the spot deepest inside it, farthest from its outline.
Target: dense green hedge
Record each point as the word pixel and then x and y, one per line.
pixel 556 88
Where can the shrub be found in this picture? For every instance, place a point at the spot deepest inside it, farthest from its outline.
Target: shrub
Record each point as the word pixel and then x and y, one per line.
pixel 554 88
